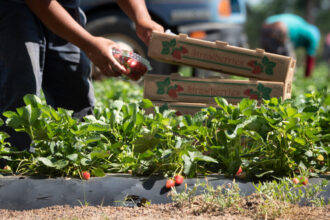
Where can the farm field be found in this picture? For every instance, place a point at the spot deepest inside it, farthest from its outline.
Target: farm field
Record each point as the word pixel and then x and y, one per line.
pixel 280 140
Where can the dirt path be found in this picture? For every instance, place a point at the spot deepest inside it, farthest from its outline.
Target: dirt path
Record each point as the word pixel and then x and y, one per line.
pixel 154 212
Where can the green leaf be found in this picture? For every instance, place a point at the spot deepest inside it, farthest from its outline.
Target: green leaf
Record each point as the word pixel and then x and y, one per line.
pixel 45 161
pixel 32 100
pixel 26 116
pixel 146 103
pixel 300 141
pixel 239 127
pixel 145 142
pixel 198 156
pixel 222 103
pixel 98 172
pixel 60 164
pixel 309 153
pixel 264 173
pixel 187 164
pixel 291 111
pixel 14 122
pixel 99 155
pixel 84 161
pixel 72 157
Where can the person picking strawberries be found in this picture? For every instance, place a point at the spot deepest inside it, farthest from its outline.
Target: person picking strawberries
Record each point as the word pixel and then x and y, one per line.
pixel 282 33
pixel 44 46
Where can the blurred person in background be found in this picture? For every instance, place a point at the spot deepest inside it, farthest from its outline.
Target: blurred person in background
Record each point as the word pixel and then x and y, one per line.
pixel 43 45
pixel 283 33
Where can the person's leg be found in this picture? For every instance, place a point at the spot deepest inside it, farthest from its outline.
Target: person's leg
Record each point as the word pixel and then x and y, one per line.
pixel 21 47
pixel 67 74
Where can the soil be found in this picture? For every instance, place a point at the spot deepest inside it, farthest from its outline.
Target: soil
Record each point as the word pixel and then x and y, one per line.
pixel 247 210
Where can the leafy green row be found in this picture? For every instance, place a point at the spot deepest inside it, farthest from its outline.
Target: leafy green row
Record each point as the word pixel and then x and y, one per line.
pixel 275 139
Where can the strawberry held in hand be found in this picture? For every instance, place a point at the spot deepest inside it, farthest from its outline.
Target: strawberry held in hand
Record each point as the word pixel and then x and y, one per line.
pixel 135 65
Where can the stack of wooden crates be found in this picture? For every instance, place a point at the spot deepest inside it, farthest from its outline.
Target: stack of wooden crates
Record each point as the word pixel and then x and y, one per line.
pixel 270 75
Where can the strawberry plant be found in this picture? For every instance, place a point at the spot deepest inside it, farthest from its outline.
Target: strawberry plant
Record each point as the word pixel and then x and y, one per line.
pixel 274 139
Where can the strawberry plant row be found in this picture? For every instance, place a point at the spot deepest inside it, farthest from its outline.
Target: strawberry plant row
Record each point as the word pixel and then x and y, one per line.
pixel 277 139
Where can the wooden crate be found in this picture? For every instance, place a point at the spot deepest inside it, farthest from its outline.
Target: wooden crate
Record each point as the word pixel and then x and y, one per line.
pixel 175 88
pixel 221 57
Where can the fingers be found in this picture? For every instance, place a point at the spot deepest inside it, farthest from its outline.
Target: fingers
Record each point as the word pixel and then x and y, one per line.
pixel 115 64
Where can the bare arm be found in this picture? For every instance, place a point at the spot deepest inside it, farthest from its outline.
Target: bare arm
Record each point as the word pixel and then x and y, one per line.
pixel 310 62
pixel 138 13
pixel 58 20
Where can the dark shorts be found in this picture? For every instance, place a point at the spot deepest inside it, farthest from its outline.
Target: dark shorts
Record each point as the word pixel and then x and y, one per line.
pixel 32 58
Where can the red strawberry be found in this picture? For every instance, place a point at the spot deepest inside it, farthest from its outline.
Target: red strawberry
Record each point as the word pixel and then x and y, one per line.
pixel 176 54
pixel 295 180
pixel 179 179
pixel 86 175
pixel 184 50
pixel 239 171
pixel 304 180
pixel 179 88
pixel 172 93
pixel 170 183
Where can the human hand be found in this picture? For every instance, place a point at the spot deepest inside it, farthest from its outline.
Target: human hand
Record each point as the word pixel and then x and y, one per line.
pixel 145 27
pixel 99 52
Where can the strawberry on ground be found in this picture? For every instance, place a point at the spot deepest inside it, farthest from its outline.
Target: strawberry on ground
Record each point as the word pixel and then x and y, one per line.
pixel 178 179
pixel 86 175
pixel 295 180
pixel 239 171
pixel 170 183
pixel 304 180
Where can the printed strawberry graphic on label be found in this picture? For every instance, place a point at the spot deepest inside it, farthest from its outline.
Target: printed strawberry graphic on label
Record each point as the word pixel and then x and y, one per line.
pixel 178 113
pixel 184 50
pixel 254 96
pixel 176 54
pixel 247 92
pixel 252 63
pixel 172 93
pixel 251 94
pixel 257 69
pixel 179 88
